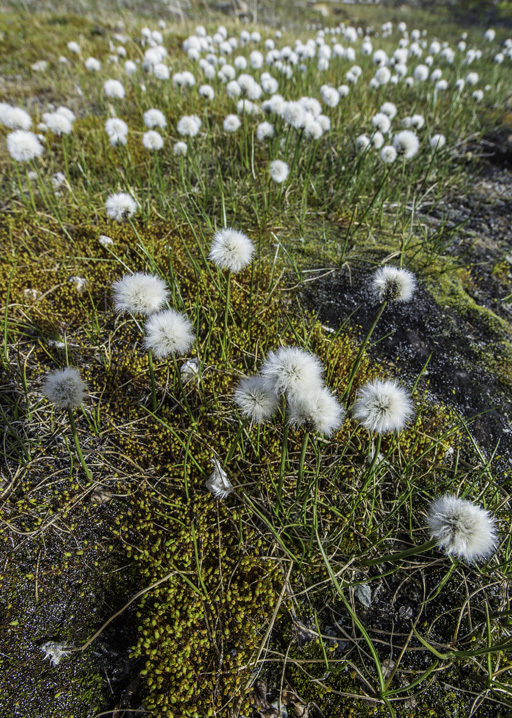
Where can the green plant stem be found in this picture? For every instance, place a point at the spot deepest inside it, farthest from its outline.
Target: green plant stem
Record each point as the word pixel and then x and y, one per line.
pixel 77 445
pixel 392 557
pixel 360 353
pixel 177 375
pixel 226 312
pixel 152 376
pixel 284 456
pixel 301 463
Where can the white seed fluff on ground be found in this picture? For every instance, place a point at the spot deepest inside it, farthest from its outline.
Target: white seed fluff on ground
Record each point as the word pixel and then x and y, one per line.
pixel 461 528
pixel 279 171
pixel 231 250
pixel 393 284
pixel 382 406
pixel 55 652
pixel 406 144
pixel 23 146
pixel 65 388
pixel 255 400
pixel 120 206
pixel 169 333
pixel 139 293
pixel 189 371
pixel 318 408
pixel 218 483
pixel 293 371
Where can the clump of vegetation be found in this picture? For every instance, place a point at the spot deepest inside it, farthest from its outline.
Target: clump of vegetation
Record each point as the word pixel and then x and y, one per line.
pixel 220 484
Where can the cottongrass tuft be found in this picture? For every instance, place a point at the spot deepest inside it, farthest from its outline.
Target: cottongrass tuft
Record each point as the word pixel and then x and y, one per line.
pixel 65 388
pixel 117 131
pixel 406 144
pixel 462 529
pixel 139 293
pixel 392 284
pixel 255 400
pixel 218 483
pixel 24 146
pixel 231 123
pixel 120 206
pixel 114 89
pixel 155 118
pixel 152 141
pixel 180 149
pixel 388 154
pixel 383 406
pixel 189 126
pixel 292 371
pixel 169 333
pixel 437 142
pixel 318 408
pixel 279 171
pixel 231 250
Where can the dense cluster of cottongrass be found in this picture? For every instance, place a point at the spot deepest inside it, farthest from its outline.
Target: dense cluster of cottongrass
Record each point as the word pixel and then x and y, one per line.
pixel 268 480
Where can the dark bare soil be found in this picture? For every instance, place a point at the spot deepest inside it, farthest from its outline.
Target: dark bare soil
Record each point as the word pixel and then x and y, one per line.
pixel 466 343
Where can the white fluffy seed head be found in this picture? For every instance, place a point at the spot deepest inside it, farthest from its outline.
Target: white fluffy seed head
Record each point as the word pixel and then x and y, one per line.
pixel 65 388
pixel 318 409
pixel 23 146
pixel 152 140
pixel 189 126
pixel 92 64
pixel 265 131
pixel 15 118
pixel 392 284
pixel 218 483
pixel 462 529
pixel 231 123
pixel 120 206
pixel 437 142
pixel 279 171
pixel 231 250
pixel 114 89
pixel 292 371
pixel 382 406
pixel 406 144
pixel 117 130
pixel 58 123
pixel 180 149
pixel 139 293
pixel 389 109
pixel 381 122
pixel 388 154
pixel 255 400
pixel 154 118
pixel 169 333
